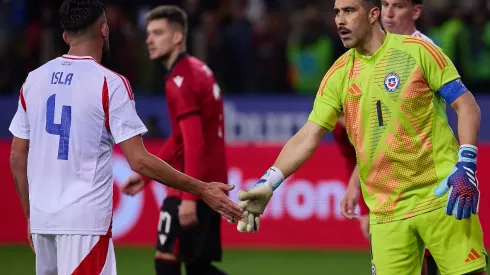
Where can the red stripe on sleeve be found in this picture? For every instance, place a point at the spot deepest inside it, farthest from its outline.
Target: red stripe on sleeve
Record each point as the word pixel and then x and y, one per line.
pixel 22 100
pixel 105 103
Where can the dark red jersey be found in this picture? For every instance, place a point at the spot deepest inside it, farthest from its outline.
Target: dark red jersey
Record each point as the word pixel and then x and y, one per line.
pixel 197 143
pixel 349 153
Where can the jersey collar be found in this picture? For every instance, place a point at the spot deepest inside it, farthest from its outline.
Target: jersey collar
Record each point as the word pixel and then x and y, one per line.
pixel 378 53
pixel 76 57
pixel 179 57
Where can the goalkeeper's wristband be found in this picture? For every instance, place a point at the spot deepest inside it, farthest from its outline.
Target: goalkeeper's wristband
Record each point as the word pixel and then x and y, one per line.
pixel 273 176
pixel 467 153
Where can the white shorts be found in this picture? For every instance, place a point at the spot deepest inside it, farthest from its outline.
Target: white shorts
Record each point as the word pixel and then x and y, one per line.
pixel 74 254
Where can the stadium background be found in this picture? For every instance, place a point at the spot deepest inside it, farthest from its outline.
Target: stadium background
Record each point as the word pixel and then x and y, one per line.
pixel 268 57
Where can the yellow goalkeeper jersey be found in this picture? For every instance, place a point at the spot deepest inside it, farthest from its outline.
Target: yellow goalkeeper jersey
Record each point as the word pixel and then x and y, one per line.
pixel 397 122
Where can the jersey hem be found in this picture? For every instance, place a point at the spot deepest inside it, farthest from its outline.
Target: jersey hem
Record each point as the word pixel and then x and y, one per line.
pixel 125 137
pixel 319 123
pixel 406 218
pixel 69 232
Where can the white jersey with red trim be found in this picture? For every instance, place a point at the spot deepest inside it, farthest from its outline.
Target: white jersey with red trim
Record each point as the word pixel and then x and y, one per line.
pixel 72 110
pixel 423 36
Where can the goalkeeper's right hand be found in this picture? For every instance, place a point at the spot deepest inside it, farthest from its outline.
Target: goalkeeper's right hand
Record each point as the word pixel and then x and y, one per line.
pixel 256 199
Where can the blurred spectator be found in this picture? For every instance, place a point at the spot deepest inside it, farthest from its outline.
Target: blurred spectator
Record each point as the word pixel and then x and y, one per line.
pixel 236 50
pixel 310 52
pixel 270 64
pixel 253 46
pixel 476 51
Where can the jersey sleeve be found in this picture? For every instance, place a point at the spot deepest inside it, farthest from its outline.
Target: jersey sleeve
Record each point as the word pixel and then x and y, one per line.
pixel 19 127
pixel 123 121
pixel 438 69
pixel 328 102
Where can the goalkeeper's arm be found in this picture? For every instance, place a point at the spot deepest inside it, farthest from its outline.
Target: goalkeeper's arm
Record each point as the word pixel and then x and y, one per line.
pixel 299 148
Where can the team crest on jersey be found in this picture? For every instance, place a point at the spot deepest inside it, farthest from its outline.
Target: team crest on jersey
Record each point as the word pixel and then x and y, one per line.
pixel 392 82
pixel 373 269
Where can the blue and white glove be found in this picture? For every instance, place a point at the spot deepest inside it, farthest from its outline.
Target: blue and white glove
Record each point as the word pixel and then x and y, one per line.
pixel 256 199
pixel 464 196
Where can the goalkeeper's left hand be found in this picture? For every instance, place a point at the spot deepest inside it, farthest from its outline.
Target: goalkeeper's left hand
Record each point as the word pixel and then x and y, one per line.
pixel 464 195
pixel 255 200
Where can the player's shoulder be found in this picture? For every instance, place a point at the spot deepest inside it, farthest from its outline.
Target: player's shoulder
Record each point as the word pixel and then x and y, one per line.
pixel 341 66
pixel 193 67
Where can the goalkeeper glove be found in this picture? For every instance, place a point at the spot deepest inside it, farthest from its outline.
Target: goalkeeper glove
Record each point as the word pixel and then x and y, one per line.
pixel 256 199
pixel 464 195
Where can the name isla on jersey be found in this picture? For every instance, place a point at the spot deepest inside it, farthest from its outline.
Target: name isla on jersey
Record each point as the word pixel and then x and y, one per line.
pixel 58 78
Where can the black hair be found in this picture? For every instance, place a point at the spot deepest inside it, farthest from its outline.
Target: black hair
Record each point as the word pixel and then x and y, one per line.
pixel 77 15
pixel 173 14
pixel 372 4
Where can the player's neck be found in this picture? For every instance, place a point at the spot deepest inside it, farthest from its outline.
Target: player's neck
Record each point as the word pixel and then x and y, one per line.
pixel 172 58
pixel 372 43
pixel 409 30
pixel 88 48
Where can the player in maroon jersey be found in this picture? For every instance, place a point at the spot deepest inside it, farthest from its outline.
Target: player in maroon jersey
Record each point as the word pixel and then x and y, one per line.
pixel 188 230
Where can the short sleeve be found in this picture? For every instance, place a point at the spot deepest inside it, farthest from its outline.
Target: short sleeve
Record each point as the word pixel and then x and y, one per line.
pixel 438 69
pixel 186 96
pixel 328 103
pixel 19 127
pixel 123 120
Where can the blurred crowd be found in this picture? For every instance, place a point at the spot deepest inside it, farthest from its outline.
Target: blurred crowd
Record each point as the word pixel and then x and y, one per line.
pixel 253 46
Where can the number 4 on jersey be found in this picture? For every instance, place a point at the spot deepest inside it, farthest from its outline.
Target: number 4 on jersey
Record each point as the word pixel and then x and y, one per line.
pixel 62 129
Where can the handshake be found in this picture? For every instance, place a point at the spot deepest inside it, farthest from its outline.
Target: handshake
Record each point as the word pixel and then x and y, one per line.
pixel 254 201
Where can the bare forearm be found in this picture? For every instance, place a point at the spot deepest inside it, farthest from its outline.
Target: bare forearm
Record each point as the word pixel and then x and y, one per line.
pixel 18 166
pixel 354 180
pixel 469 117
pixel 154 168
pixel 299 149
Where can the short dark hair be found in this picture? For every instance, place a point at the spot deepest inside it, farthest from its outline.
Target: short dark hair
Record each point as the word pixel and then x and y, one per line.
pixel 417 2
pixel 372 3
pixel 171 13
pixel 77 15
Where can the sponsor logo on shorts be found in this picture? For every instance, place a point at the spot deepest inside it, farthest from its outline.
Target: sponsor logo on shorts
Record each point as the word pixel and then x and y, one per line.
pixel 472 256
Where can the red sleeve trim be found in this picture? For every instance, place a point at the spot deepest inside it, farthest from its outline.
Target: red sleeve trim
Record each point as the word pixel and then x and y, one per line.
pixel 22 100
pixel 105 103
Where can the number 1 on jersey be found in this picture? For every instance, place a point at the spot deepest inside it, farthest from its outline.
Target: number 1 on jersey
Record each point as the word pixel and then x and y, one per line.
pixel 62 129
pixel 380 113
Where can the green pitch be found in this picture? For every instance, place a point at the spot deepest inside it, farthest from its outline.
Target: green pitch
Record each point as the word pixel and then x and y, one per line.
pixel 19 260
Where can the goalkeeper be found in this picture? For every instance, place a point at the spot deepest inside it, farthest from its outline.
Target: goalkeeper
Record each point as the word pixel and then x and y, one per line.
pixel 419 184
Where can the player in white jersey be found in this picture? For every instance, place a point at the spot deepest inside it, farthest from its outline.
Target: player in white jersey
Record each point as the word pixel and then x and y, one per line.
pixel 71 112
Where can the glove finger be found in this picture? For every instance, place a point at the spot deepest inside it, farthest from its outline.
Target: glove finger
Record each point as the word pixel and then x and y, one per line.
pixel 246 195
pixel 451 200
pixel 476 203
pixel 458 205
pixel 250 223
pixel 442 188
pixel 257 224
pixel 467 207
pixel 242 224
pixel 243 204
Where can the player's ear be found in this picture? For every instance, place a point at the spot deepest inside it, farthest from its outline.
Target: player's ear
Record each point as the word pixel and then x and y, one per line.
pixel 417 11
pixel 178 37
pixel 374 15
pixel 104 29
pixel 66 39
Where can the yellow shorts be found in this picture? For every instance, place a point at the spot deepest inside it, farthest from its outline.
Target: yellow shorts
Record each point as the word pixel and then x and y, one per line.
pixel 397 248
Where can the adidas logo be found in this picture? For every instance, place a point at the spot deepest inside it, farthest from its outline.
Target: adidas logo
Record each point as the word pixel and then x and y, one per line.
pixel 472 256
